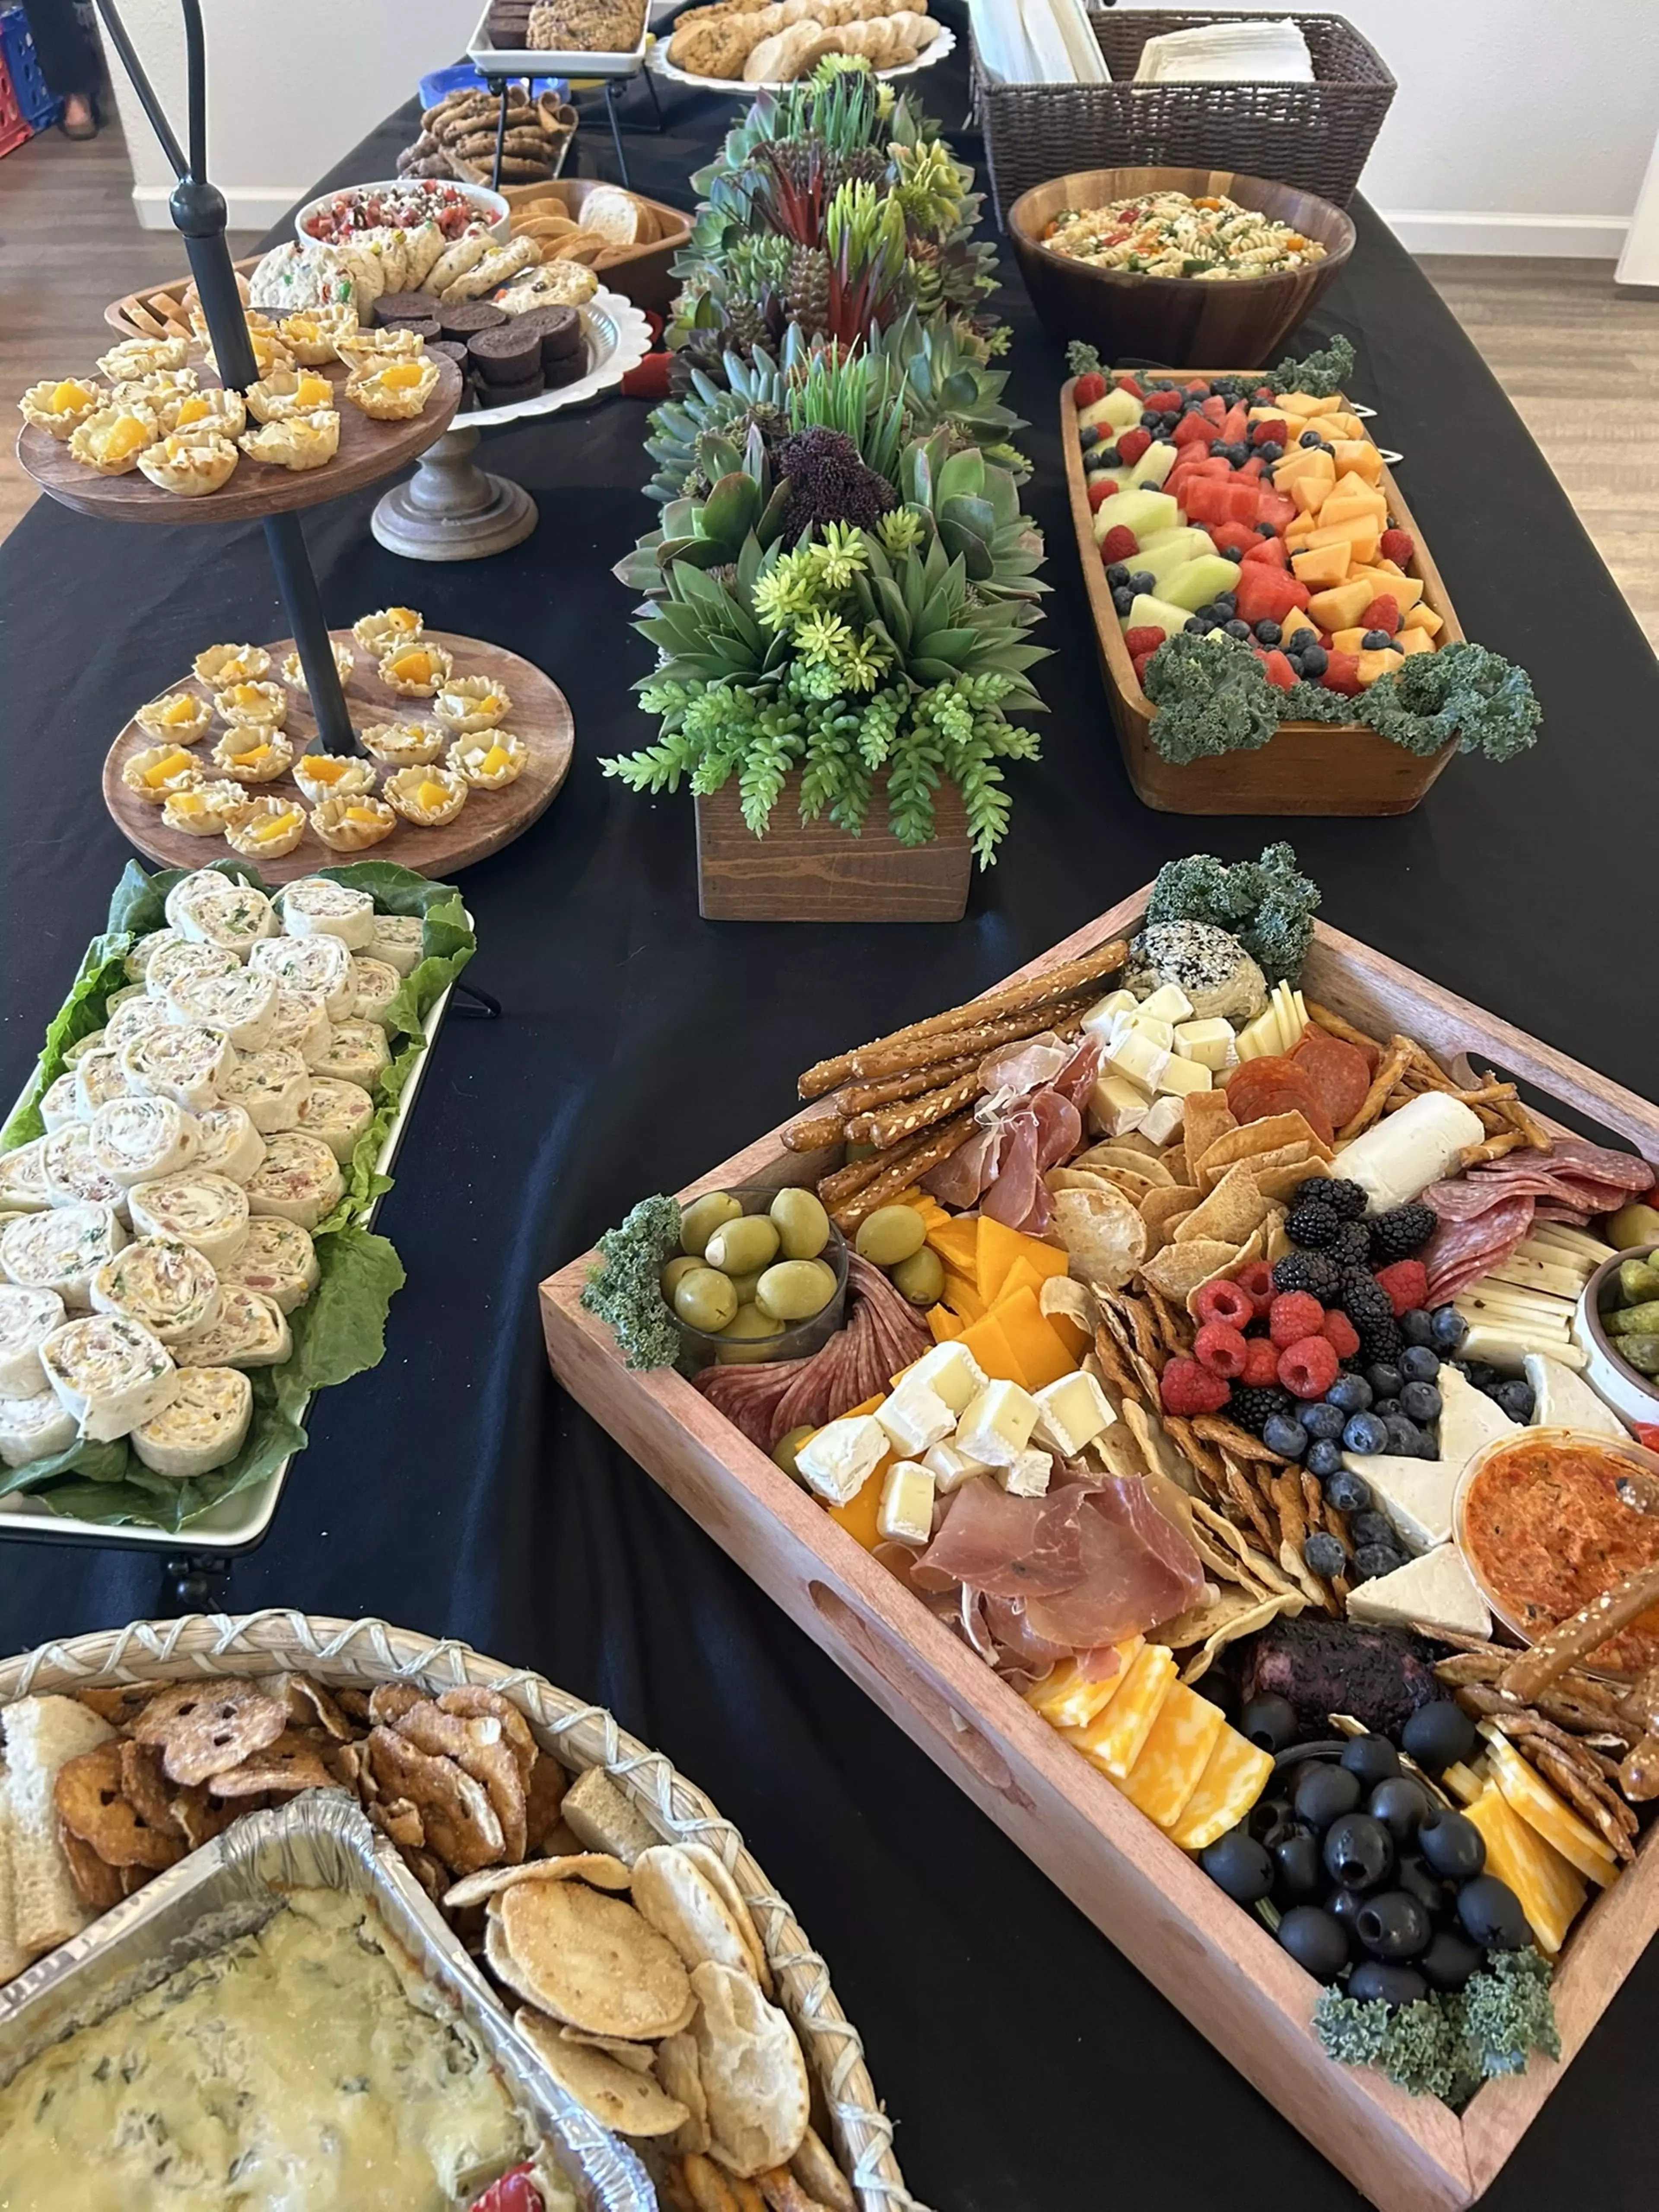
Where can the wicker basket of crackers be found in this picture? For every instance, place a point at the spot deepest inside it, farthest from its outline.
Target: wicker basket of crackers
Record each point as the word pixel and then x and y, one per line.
pixel 629 241
pixel 711 2039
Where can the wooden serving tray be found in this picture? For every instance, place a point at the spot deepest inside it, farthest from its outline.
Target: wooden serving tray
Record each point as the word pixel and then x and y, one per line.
pixel 158 311
pixel 1216 1963
pixel 1308 767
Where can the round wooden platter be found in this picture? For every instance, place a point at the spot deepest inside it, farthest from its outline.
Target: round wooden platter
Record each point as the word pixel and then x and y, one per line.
pixel 368 450
pixel 540 715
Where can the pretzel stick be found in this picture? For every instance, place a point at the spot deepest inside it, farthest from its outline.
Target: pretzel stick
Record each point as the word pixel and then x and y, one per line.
pixel 1580 1634
pixel 884 1131
pixel 1519 1117
pixel 1033 991
pixel 843 1183
pixel 1334 1024
pixel 1640 1703
pixel 815 1134
pixel 957 1044
pixel 1493 1149
pixel 866 1097
pixel 900 1169
pixel 1397 1059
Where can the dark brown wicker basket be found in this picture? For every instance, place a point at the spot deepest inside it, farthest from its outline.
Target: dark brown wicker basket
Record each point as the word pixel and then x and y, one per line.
pixel 1316 137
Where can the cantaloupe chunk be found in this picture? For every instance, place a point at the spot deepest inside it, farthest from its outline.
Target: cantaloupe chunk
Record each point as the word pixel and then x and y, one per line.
pixel 1338 424
pixel 1361 456
pixel 1294 621
pixel 1321 564
pixel 1303 402
pixel 1343 506
pixel 1357 529
pixel 1305 460
pixel 1404 590
pixel 1421 618
pixel 1350 640
pixel 1310 492
pixel 1415 640
pixel 1350 484
pixel 1343 604
pixel 1380 663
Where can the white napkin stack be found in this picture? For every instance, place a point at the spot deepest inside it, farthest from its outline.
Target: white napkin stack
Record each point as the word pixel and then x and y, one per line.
pixel 1037 42
pixel 1224 53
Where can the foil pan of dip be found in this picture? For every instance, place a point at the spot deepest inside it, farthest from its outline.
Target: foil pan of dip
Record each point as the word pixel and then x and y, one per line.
pixel 233 1888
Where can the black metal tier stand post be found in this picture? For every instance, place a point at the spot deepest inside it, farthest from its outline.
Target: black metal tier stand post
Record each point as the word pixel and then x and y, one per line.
pixel 198 213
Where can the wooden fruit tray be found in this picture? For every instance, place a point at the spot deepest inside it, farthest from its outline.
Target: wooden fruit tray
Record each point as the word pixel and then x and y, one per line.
pixel 1216 1963
pixel 1308 767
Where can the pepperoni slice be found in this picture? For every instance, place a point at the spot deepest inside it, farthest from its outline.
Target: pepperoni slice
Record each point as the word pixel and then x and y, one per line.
pixel 1339 1072
pixel 1276 1085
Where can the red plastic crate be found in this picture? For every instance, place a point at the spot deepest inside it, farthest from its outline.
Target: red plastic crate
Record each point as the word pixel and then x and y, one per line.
pixel 14 129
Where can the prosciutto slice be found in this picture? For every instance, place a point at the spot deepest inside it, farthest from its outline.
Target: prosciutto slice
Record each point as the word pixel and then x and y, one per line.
pixel 1015 1069
pixel 1010 1547
pixel 1059 1129
pixel 1012 1195
pixel 959 1180
pixel 1138 1569
pixel 1076 1079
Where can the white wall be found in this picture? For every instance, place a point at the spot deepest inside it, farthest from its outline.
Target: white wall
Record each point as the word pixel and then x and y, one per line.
pixel 292 86
pixel 1520 126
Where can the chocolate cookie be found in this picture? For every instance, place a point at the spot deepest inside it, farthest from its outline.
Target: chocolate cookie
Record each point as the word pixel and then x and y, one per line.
pixel 465 319
pixel 571 370
pixel 404 307
pixel 449 349
pixel 559 330
pixel 425 327
pixel 509 395
pixel 506 355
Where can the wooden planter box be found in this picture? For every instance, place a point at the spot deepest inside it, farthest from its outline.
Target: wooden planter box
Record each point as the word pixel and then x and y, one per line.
pixel 813 872
pixel 1218 1964
pixel 1308 767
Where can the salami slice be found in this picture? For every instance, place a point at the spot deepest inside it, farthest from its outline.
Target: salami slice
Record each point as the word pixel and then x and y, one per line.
pixel 1276 1085
pixel 1338 1073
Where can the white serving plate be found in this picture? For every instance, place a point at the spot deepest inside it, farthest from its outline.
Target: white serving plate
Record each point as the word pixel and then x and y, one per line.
pixel 491 207
pixel 238 1523
pixel 618 339
pixel 536 61
pixel 658 62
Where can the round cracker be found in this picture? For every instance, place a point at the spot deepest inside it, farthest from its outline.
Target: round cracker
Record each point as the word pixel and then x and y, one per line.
pixel 753 2076
pixel 590 1960
pixel 720 1874
pixel 596 1867
pixel 676 2069
pixel 631 2104
pixel 681 1902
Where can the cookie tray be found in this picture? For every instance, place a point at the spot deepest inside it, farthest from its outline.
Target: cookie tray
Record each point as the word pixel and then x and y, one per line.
pixel 230 1887
pixel 511 20
pixel 1217 1964
pixel 238 1523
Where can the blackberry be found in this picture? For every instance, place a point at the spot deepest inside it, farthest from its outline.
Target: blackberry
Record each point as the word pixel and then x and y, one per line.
pixel 1253 1405
pixel 1363 1299
pixel 1378 1340
pixel 1313 1272
pixel 1312 1225
pixel 1350 1246
pixel 1347 1201
pixel 1402 1231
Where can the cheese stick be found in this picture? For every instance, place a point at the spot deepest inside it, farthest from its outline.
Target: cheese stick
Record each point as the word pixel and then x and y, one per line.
pixel 110 1373
pixel 28 1317
pixel 206 1424
pixel 164 1286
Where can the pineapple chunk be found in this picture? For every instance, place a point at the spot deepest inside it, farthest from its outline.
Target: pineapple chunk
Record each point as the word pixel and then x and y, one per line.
pixel 414 666
pixel 369 814
pixel 180 709
pixel 313 392
pixel 127 435
pixel 254 755
pixel 431 795
pixel 495 760
pixel 402 375
pixel 321 770
pixel 171 765
pixel 68 395
pixel 275 825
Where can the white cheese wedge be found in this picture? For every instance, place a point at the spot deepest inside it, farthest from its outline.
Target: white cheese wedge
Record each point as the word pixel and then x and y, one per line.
pixel 227 1144
pixel 316 906
pixel 996 1425
pixel 1524 1271
pixel 186 1064
pixel 1506 1343
pixel 133 1020
pixel 242 1005
pixel 1397 1159
pixel 378 984
pixel 110 1373
pixel 1028 1477
pixel 206 1211
pixel 298 1179
pixel 319 965
pixel 205 1426
pixel 905 1515
pixel 1416 1495
pixel 1469 1419
pixel 35 1426
pixel 1562 1400
pixel 23 1178
pixel 336 1112
pixel 1259 1037
pixel 1209 1042
pixel 62 1250
pixel 1437 1590
pixel 1071 1413
pixel 267 1085
pixel 1168 1003
pixel 399 940
pixel 26 1319
pixel 185 957
pixel 1105 1017
pixel 137 1140
pixel 212 909
pixel 950 1468
pixel 301 1023
pixel 837 1462
pixel 279 1259
pixel 1164 1119
pixel 165 1286
pixel 357 1052
pixel 914 1417
pixel 74 1177
pixel 249 1330
pixel 1116 1106
pixel 137 963
pixel 100 1076
pixel 1183 1076
pixel 952 1372
pixel 1577 1243
pixel 60 1102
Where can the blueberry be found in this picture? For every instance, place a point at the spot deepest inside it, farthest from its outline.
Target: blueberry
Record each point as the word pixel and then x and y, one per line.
pixel 1365 1432
pixel 1374 1981
pixel 1393 1925
pixel 1492 1915
pixel 1448 1329
pixel 1210 615
pixel 1151 418
pixel 1375 640
pixel 1232 553
pixel 1384 1379
pixel 1227 605
pixel 1438 1734
pixel 1318 1943
pixel 1449 1961
pixel 1117 574
pixel 1324 1555
pixel 1236 629
pixel 1324 1794
pixel 1265 530
pixel 1282 1434
pixel 1352 1393
pixel 1371 1528
pixel 1315 660
pixel 1348 1492
pixel 1326 446
pixel 1428 1443
pixel 1089 437
pixel 1309 438
pixel 1105 457
pixel 1142 579
pixel 1404 1437
pixel 1416 1327
pixel 1298 1875
pixel 1386 1409
pixel 1371 1560
pixel 1238 1865
pixel 1269 1722
pixel 1515 1399
pixel 1419 1364
pixel 1421 1402
pixel 1324 1458
pixel 1399 1803
pixel 1451 1843
pixel 1372 1758
pixel 1479 1376
pixel 1271 450
pixel 1123 599
pixel 1359 1850
pixel 1268 633
pixel 1293 662
pixel 1195 626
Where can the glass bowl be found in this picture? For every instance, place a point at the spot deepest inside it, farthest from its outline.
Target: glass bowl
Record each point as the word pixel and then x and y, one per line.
pixel 701 1347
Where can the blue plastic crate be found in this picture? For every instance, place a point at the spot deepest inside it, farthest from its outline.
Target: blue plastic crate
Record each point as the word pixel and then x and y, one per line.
pixel 35 104
pixel 462 76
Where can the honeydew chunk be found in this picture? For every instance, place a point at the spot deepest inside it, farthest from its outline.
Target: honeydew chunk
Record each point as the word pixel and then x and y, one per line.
pixel 1137 509
pixel 1198 581
pixel 1170 550
pixel 1146 610
pixel 1154 464
pixel 1119 409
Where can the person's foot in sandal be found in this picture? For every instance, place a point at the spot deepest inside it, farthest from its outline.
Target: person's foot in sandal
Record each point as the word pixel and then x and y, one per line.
pixel 78 119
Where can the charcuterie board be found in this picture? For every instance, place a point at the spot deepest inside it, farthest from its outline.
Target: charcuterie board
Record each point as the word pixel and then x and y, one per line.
pixel 1218 1965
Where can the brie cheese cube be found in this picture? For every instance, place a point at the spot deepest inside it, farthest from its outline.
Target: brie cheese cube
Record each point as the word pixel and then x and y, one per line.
pixel 1164 1118
pixel 1210 1044
pixel 316 906
pixel 914 1416
pixel 837 1463
pixel 951 1468
pixel 1151 1026
pixel 1028 1476
pixel 1116 1106
pixel 905 1515
pixel 27 1318
pixel 1104 1018
pixel 996 1425
pixel 110 1373
pixel 1168 1003
pixel 1437 1590
pixel 33 1426
pixel 206 1424
pixel 1180 1075
pixel 952 1371
pixel 1071 1412
pixel 1139 1057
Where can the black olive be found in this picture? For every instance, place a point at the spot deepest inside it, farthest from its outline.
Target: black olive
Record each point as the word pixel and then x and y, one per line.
pixel 1438 1898
pixel 1269 1819
pixel 1316 1943
pixel 1399 1804
pixel 1359 1852
pixel 1392 1924
pixel 1300 1876
pixel 1323 1793
pixel 1492 1915
pixel 1239 1864
pixel 1373 1983
pixel 1269 1722
pixel 1451 1843
pixel 1439 1735
pixel 1372 1758
pixel 1297 1754
pixel 1344 1905
pixel 1449 1961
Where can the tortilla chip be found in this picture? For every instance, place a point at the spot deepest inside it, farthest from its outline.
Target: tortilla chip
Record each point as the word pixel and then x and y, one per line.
pixel 1104 1236
pixel 1131 1141
pixel 1262 1570
pixel 1178 1269
pixel 1207 1116
pixel 1070 1300
pixel 1133 1187
pixel 1116 1450
pixel 1251 1139
pixel 1160 1207
pixel 1174 1162
pixel 1233 1208
pixel 1157 1447
pixel 1120 1154
pixel 1235 1613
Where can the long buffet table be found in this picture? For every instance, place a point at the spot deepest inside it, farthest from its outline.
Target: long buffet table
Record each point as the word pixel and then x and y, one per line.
pixel 455 1490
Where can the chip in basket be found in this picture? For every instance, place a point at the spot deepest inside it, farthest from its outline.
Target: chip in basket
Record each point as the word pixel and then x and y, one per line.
pixel 1179 1269
pixel 1104 1236
pixel 1252 1139
pixel 1206 1117
pixel 617 2094
pixel 1233 1209
pixel 588 1959
pixel 681 1902
pixel 752 2073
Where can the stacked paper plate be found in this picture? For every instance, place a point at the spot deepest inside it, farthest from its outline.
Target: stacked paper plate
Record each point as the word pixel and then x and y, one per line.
pixel 1037 42
pixel 1221 53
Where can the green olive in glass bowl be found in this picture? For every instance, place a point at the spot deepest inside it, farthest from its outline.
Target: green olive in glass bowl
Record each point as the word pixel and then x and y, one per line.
pixel 785 1273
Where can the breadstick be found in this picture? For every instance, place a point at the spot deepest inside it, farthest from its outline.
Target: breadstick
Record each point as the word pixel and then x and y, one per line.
pixel 900 1169
pixel 1493 1149
pixel 843 1183
pixel 1333 1025
pixel 1640 1703
pixel 1577 1636
pixel 1397 1057
pixel 984 1036
pixel 1044 990
pixel 865 1098
pixel 884 1131
pixel 814 1135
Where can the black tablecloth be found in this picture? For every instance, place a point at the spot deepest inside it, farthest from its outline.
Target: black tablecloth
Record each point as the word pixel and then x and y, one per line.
pixel 455 1490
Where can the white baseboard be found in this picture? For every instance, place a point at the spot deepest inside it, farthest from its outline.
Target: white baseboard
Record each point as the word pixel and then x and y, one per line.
pixel 251 207
pixel 1450 230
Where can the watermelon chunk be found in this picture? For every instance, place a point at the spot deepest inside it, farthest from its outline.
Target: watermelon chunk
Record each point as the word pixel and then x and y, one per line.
pixel 1270 550
pixel 1193 429
pixel 1342 674
pixel 1273 507
pixel 1206 500
pixel 1236 425
pixel 1232 537
pixel 1244 500
pixel 1267 593
pixel 1215 408
pixel 1278 670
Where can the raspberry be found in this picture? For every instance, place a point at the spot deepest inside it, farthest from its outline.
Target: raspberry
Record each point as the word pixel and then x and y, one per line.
pixel 1146 638
pixel 1139 662
pixel 1263 396
pixel 1118 545
pixel 1261 1363
pixel 1340 1332
pixel 1099 494
pixel 1165 403
pixel 1269 430
pixel 1406 1283
pixel 1396 545
pixel 1292 1315
pixel 1256 1281
pixel 1383 613
pixel 1131 445
pixel 1127 383
pixel 1088 389
pixel 1309 1367
pixel 1188 1388
pixel 1220 1348
pixel 1224 1301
